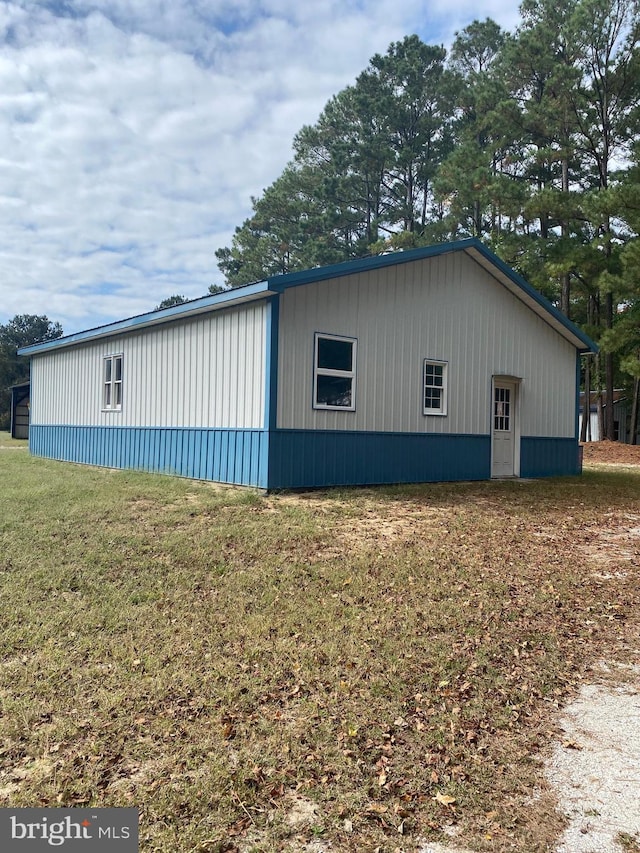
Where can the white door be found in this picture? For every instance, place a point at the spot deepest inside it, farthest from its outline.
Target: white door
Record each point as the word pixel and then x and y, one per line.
pixel 503 429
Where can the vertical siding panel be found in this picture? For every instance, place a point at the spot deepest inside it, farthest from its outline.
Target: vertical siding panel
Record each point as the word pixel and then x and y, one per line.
pixel 254 458
pixel 128 437
pixel 221 370
pixel 198 378
pixel 169 459
pixel 151 437
pixel 232 460
pixel 235 457
pixel 247 450
pixel 214 452
pixel 197 455
pixel 222 413
pixel 224 455
pixel 174 451
pixel 191 435
pixel 205 419
pixel 240 336
pixel 182 450
pixel 208 454
pixel 189 376
pixel 130 440
pixel 140 437
pixel 177 359
pixel 161 450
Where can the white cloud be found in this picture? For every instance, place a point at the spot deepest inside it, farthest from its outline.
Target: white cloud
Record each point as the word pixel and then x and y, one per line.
pixel 134 132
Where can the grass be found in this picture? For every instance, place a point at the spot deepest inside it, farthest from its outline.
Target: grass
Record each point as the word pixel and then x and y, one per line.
pixel 361 668
pixel 7 441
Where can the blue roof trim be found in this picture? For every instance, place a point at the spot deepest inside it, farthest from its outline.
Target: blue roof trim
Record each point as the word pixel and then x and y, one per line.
pixel 175 312
pixel 293 279
pixel 590 346
pixel 279 283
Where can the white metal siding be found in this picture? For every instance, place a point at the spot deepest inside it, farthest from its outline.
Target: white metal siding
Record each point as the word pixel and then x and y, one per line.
pixel 204 372
pixel 446 308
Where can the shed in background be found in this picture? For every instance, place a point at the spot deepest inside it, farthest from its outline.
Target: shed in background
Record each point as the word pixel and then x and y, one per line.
pixel 621 416
pixel 20 403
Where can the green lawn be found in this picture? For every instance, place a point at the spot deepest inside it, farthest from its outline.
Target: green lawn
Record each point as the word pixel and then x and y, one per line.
pixel 7 441
pixel 358 667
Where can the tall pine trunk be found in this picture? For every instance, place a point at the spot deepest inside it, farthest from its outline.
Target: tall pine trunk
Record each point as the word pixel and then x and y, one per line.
pixel 608 372
pixel 565 281
pixel 633 438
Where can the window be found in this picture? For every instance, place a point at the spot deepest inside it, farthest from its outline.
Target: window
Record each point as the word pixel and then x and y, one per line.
pixel 112 383
pixel 502 409
pixel 435 387
pixel 334 373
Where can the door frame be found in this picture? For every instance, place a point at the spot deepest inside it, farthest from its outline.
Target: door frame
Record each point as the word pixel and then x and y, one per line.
pixel 515 383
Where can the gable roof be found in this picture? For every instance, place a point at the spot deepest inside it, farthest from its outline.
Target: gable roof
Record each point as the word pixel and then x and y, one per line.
pixel 472 247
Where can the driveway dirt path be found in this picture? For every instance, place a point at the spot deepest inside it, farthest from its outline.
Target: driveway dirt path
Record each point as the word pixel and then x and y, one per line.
pixel 595 770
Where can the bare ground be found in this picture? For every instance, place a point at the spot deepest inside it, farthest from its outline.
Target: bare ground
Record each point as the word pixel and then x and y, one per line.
pixel 610 453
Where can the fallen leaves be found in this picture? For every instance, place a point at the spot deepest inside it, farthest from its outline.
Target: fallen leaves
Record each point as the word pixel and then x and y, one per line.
pixel 396 664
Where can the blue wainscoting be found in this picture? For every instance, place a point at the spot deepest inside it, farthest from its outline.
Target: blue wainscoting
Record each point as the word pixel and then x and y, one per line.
pixel 225 455
pixel 294 459
pixel 306 458
pixel 549 457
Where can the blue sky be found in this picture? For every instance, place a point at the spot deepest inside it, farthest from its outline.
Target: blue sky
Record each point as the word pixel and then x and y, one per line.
pixel 133 133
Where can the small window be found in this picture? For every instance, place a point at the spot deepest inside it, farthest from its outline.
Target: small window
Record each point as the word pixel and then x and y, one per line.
pixel 112 383
pixel 334 377
pixel 502 410
pixel 435 387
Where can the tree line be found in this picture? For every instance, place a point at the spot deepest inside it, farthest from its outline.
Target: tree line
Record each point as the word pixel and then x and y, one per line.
pixel 527 140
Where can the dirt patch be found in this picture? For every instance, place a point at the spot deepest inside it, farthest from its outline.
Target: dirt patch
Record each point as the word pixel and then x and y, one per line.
pixel 33 770
pixel 616 541
pixel 302 813
pixel 611 453
pixel 380 527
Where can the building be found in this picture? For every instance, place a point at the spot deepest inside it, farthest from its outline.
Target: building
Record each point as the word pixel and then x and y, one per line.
pixel 20 410
pixel 622 407
pixel 431 364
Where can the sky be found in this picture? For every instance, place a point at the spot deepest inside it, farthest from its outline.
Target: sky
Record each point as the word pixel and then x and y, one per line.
pixel 133 133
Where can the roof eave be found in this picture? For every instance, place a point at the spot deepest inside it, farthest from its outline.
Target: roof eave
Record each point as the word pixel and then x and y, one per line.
pixel 475 249
pixel 279 283
pixel 236 296
pixel 283 281
pixel 531 297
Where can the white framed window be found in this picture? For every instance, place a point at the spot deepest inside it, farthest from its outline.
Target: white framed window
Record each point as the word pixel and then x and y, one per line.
pixel 112 383
pixel 502 409
pixel 435 387
pixel 334 372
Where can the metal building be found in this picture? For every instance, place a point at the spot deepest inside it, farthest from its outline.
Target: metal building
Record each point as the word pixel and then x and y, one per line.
pixel 431 364
pixel 20 410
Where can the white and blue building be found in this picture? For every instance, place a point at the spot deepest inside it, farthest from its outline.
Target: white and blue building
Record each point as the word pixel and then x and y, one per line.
pixel 432 364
